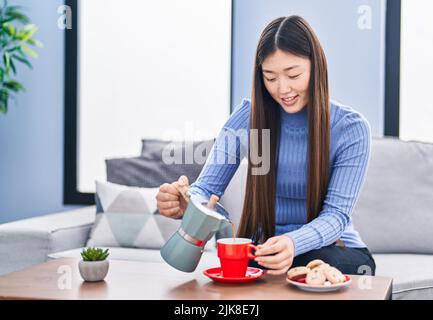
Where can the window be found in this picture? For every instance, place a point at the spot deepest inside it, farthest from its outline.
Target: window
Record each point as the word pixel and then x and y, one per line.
pixel 416 103
pixel 144 69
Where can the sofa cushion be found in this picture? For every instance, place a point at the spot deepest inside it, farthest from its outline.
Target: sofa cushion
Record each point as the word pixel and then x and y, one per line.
pixel 153 149
pixel 130 218
pixel 394 212
pixel 412 274
pixel 141 172
pixel 150 170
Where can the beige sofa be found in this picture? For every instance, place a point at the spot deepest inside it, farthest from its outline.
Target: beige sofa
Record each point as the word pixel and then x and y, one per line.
pixel 394 215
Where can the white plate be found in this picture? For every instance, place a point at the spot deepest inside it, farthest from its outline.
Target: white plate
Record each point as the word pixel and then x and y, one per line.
pixel 327 287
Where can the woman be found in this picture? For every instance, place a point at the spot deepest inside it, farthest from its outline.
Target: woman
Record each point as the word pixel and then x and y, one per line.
pixel 319 152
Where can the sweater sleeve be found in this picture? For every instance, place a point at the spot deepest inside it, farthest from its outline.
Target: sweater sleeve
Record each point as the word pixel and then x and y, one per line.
pixel 346 179
pixel 229 149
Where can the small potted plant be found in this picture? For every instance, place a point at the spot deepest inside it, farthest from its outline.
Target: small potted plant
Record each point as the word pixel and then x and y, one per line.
pixel 94 266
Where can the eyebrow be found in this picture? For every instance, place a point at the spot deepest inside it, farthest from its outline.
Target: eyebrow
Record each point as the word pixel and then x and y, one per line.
pixel 287 69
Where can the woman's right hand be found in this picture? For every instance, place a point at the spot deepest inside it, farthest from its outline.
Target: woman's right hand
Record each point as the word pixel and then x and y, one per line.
pixel 169 200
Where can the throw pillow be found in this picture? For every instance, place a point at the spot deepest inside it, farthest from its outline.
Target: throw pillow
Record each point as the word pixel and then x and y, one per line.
pixel 146 173
pixel 129 218
pixel 153 149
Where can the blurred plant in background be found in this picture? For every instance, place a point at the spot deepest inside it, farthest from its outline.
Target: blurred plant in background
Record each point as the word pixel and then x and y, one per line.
pixel 16 40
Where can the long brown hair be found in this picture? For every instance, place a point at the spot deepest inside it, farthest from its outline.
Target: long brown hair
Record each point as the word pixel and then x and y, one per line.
pixel 294 35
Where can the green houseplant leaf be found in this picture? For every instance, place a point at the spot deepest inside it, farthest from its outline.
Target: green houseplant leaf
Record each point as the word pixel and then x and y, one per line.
pixel 16 42
pixel 94 254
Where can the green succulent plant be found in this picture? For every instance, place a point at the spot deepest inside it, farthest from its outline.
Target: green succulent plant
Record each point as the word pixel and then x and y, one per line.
pixel 16 40
pixel 94 254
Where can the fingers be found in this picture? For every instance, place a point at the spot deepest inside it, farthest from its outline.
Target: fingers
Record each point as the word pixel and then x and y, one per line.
pixel 271 249
pixel 163 196
pixel 272 260
pixel 280 265
pixel 172 213
pixel 270 241
pixel 168 204
pixel 179 215
pixel 183 181
pixel 267 244
pixel 278 272
pixel 274 255
pixel 169 188
pixel 169 196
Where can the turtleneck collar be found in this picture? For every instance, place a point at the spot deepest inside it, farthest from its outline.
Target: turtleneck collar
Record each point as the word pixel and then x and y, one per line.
pixel 298 119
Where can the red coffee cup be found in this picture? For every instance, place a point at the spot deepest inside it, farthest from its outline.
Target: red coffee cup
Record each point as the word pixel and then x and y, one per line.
pixel 234 256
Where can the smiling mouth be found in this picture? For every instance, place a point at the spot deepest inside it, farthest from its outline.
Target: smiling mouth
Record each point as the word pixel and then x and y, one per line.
pixel 289 99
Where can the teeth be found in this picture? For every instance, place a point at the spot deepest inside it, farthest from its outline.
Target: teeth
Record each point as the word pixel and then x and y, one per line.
pixel 289 99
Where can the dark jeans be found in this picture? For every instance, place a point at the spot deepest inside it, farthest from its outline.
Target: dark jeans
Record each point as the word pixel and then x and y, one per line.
pixel 347 260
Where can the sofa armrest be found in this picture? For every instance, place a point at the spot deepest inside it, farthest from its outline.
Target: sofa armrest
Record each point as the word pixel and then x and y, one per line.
pixel 27 242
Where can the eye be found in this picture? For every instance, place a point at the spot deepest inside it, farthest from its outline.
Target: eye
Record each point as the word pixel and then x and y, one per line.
pixel 294 77
pixel 270 80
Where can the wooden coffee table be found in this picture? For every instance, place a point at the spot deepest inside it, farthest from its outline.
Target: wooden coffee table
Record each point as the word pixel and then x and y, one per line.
pixel 60 279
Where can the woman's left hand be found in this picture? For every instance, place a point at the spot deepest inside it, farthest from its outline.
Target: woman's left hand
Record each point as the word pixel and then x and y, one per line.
pixel 277 254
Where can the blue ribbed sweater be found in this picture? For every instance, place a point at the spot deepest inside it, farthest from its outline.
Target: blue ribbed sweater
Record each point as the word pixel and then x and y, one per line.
pixel 349 157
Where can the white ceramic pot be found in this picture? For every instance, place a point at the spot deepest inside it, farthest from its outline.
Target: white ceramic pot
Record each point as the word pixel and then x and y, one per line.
pixel 93 270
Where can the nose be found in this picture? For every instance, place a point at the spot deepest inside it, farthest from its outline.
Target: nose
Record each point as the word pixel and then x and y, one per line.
pixel 284 87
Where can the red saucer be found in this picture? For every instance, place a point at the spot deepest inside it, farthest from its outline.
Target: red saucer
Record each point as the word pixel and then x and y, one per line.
pixel 216 275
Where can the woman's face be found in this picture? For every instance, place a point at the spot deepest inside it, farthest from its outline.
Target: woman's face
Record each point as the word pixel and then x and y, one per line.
pixel 287 77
